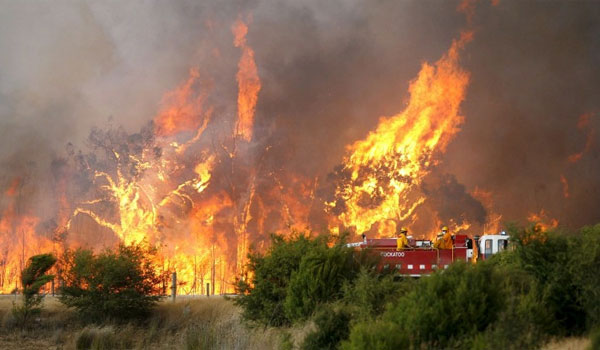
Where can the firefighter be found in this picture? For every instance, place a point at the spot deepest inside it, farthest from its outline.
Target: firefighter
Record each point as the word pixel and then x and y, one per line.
pixel 402 241
pixel 444 239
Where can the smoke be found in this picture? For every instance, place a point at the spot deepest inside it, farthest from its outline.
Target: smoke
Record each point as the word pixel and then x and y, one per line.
pixel 329 71
pixel 534 73
pixel 451 201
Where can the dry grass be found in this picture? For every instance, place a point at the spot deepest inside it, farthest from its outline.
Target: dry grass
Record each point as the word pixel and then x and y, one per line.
pixel 189 323
pixel 568 344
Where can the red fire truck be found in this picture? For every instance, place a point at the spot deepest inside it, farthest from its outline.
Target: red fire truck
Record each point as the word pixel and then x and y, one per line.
pixel 422 258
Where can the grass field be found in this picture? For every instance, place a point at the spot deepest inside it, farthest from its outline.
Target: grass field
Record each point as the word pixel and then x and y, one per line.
pixel 189 323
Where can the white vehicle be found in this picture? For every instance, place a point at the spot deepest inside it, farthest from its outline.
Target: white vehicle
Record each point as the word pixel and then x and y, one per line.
pixel 489 245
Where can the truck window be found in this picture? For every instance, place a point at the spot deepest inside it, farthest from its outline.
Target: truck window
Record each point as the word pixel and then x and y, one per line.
pixel 502 244
pixel 488 247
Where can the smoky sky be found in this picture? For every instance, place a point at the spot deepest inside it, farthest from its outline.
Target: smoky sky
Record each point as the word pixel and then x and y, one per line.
pixel 329 71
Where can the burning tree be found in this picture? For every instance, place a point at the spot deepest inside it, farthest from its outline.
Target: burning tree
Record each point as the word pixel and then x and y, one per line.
pixel 202 182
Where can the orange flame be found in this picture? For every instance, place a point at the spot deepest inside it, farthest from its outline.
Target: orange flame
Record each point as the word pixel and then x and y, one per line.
pixel 196 244
pixel 492 223
pixel 565 185
pixel 542 221
pixel 248 81
pixel 402 146
pixel 182 109
pixel 18 238
pixel 583 124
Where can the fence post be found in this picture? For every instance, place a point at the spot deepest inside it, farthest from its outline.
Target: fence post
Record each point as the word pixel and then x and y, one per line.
pixel 174 286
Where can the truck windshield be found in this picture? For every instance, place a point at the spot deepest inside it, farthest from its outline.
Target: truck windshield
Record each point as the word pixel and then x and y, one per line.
pixel 488 247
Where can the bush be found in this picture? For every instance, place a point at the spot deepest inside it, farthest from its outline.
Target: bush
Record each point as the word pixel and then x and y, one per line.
pixel 368 294
pixel 548 258
pixel 319 279
pixel 263 299
pixel 441 311
pixel 33 278
pixel 333 326
pixel 584 267
pixel 546 286
pixel 376 335
pixel 119 285
pixel 518 323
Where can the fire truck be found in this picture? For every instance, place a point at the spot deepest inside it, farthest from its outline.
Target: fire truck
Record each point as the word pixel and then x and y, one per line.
pixel 423 259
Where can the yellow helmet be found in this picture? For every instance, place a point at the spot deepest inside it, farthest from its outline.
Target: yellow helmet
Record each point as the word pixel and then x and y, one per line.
pixel 403 230
pixel 445 228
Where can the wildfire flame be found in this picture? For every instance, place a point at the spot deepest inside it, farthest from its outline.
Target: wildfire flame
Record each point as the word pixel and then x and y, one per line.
pixel 202 197
pixel 583 125
pixel 248 81
pixel 391 161
pixel 164 196
pixel 542 221
pixel 183 109
pixel 17 247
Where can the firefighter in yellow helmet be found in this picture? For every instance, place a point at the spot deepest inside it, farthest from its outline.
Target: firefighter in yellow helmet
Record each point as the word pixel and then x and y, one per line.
pixel 444 239
pixel 402 241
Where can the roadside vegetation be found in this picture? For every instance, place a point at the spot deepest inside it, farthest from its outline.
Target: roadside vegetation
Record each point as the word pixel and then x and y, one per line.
pixel 113 300
pixel 544 289
pixel 118 285
pixel 314 293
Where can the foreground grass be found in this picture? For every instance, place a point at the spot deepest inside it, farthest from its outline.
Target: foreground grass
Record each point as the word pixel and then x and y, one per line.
pixel 189 323
pixel 568 344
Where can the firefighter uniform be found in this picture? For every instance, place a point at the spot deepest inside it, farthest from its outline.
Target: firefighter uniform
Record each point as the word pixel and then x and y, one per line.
pixel 402 241
pixel 445 241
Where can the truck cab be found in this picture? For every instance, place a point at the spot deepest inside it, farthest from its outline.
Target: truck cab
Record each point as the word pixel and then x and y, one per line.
pixel 489 245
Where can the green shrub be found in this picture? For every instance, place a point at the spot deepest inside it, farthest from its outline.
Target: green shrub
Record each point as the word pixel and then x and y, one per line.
pixel 318 280
pixel 119 285
pixel 584 268
pixel 33 278
pixel 518 323
pixel 548 258
pixel 333 326
pixel 441 311
pixel 368 294
pixel 377 335
pixel 263 299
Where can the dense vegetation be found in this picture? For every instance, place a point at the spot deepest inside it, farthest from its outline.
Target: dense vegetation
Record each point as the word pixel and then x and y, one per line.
pixel 545 287
pixel 293 277
pixel 119 284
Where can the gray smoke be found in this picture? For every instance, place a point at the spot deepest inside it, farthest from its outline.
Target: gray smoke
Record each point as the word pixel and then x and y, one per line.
pixel 329 70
